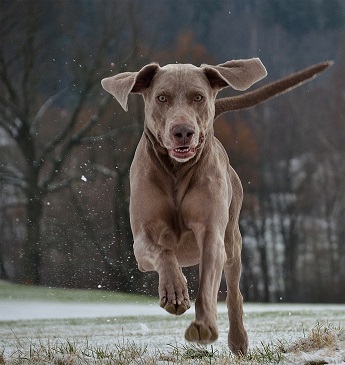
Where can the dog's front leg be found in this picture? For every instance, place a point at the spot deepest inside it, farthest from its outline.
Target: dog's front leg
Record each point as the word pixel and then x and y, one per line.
pixel 173 292
pixel 211 243
pixel 172 289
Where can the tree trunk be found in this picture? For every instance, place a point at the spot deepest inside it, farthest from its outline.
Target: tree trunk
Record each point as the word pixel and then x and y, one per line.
pixel 3 273
pixel 290 262
pixel 127 275
pixel 32 252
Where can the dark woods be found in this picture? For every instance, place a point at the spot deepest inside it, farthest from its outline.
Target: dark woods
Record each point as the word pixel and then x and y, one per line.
pixel 66 147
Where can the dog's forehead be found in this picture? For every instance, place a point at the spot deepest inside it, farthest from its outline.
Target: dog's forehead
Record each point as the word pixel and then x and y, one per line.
pixel 177 75
pixel 180 67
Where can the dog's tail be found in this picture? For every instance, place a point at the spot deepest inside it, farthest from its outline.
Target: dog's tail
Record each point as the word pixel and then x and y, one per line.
pixel 270 90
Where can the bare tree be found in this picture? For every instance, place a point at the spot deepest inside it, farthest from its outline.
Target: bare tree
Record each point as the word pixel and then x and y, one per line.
pixel 46 145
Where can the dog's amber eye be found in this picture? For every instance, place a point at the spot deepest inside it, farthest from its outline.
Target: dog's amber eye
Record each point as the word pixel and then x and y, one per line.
pixel 198 97
pixel 162 98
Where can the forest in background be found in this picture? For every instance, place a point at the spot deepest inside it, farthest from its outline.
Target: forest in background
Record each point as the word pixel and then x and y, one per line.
pixel 66 146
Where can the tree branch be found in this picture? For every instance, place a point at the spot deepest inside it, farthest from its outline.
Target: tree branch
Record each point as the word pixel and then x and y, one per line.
pixel 5 77
pixel 112 134
pixel 105 171
pixel 60 185
pixel 9 129
pixel 12 176
pixel 92 121
pixel 45 107
pixel 74 141
pixel 60 137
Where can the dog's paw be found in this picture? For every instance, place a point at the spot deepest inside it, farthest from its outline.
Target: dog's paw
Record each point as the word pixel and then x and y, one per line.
pixel 238 342
pixel 201 332
pixel 173 294
pixel 174 306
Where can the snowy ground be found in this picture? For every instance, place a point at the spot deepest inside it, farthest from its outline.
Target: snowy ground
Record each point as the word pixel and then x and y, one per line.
pixel 148 325
pixel 104 324
pixel 23 310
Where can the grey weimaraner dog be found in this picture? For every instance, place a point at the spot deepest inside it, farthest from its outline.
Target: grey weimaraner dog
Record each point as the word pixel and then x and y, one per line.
pixel 185 197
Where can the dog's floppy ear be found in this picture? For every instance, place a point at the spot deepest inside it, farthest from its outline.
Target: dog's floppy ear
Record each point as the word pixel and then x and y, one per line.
pixel 124 83
pixel 240 74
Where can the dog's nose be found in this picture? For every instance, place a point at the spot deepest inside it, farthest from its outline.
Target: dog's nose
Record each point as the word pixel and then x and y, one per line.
pixel 183 134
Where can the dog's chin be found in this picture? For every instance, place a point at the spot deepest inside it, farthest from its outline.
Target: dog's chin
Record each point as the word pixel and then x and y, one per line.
pixel 182 154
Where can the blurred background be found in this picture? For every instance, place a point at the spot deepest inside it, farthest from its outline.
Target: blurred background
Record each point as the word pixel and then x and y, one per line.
pixel 66 146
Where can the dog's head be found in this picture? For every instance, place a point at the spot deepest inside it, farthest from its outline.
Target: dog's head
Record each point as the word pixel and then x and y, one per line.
pixel 180 98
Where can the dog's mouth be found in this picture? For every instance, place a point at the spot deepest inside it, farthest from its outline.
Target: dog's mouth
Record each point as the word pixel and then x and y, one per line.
pixel 182 153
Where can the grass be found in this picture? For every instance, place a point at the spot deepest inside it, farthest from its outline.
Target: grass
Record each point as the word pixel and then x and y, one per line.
pixel 69 352
pixel 320 336
pixel 270 353
pixel 128 352
pixel 26 292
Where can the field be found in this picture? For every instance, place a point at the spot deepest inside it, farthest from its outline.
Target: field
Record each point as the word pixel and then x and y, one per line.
pixel 61 326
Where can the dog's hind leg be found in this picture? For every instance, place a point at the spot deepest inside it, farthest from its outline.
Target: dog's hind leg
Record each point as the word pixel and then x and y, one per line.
pixel 237 338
